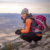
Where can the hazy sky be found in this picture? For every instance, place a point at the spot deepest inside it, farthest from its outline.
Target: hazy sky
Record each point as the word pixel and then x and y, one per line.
pixel 15 6
pixel 25 1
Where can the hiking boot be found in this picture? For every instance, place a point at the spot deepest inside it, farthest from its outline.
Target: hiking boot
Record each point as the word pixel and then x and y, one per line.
pixel 33 45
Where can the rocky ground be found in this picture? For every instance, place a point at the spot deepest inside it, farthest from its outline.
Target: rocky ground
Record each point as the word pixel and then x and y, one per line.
pixel 12 41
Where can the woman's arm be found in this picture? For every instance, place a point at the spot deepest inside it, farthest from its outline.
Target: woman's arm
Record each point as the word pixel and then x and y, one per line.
pixel 27 28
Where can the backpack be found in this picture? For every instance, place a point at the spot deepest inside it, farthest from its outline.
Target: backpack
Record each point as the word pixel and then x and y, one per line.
pixel 41 21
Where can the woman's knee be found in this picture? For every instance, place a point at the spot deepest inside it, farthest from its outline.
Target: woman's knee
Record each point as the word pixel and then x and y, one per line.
pixel 25 37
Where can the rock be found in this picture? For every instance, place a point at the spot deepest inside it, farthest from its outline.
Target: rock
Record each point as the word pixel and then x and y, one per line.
pixel 13 41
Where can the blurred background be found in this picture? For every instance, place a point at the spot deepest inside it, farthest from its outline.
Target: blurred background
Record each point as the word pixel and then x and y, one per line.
pixel 10 17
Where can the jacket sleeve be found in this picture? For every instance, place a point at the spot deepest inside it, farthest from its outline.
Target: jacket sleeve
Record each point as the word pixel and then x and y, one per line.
pixel 27 28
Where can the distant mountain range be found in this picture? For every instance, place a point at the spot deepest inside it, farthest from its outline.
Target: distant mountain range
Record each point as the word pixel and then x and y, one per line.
pixel 11 21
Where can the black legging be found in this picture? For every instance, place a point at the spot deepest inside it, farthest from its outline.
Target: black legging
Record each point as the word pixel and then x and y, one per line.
pixel 30 37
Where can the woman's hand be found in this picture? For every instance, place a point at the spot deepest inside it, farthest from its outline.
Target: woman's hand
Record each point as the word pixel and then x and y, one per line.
pixel 18 32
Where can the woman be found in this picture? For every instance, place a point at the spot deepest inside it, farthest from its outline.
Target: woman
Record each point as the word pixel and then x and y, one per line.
pixel 31 31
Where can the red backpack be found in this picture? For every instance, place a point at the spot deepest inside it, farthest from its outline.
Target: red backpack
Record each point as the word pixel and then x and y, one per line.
pixel 41 21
